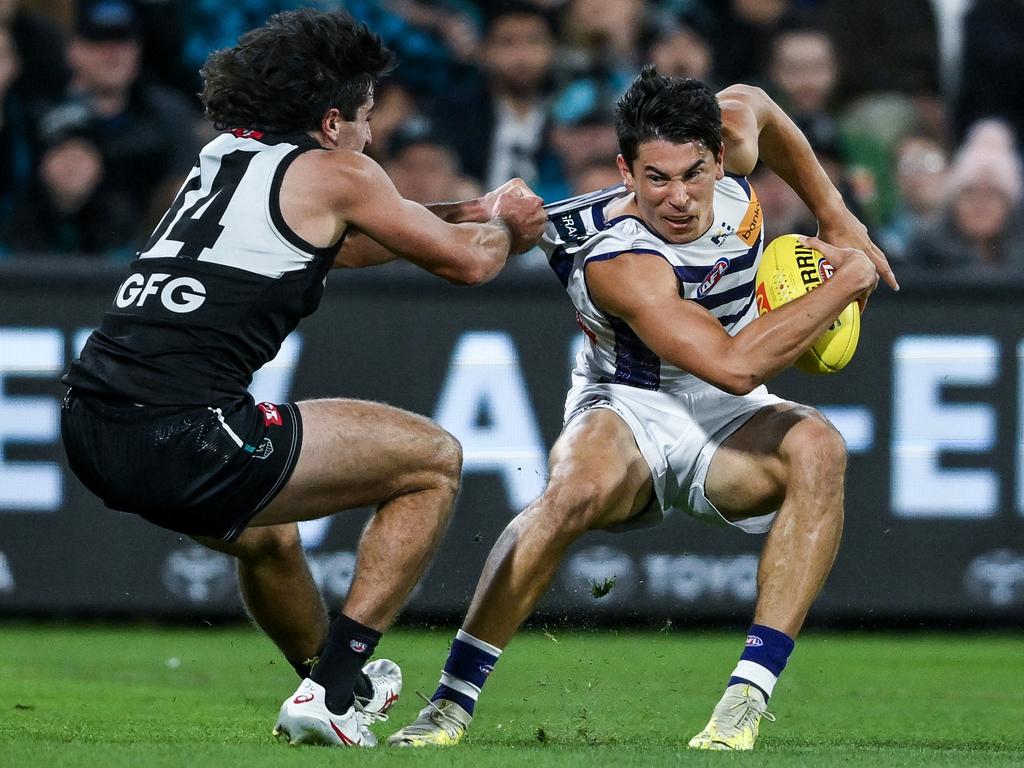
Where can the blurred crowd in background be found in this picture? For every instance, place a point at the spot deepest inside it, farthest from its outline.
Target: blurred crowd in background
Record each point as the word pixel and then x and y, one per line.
pixel 915 107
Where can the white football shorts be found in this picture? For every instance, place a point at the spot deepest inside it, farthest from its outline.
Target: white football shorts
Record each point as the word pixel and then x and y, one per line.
pixel 678 434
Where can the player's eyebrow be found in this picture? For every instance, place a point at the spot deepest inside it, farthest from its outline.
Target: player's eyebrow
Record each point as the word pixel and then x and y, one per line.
pixel 696 164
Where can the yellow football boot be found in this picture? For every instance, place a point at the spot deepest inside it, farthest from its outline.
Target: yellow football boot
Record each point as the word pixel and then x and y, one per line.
pixel 735 721
pixel 441 723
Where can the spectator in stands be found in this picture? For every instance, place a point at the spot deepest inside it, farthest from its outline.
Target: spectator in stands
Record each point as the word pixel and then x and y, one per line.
pixel 605 37
pixel 16 156
pixel 920 168
pixel 889 47
pixel 802 77
pixel 992 84
pixel 68 211
pixel 977 229
pixel 596 174
pixel 40 45
pixel 742 36
pixel 680 50
pixel 147 134
pixel 425 168
pixel 499 124
pixel 583 130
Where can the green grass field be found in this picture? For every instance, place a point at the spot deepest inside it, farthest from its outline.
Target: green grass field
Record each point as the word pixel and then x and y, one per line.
pixel 140 696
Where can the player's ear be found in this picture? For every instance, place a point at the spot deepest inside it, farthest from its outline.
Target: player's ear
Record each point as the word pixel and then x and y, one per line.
pixel 331 125
pixel 624 169
pixel 720 163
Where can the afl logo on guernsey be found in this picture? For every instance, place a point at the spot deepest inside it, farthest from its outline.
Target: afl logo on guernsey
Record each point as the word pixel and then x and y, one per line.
pixel 714 275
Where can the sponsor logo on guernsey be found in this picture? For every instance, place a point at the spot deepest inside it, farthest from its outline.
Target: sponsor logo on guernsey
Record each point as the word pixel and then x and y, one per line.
pixel 271 415
pixel 753 641
pixel 358 646
pixel 714 275
pixel 180 295
pixel 750 227
pixel 569 225
pixel 246 133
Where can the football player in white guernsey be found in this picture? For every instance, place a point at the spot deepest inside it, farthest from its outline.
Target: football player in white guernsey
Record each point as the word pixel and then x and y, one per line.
pixel 158 420
pixel 668 408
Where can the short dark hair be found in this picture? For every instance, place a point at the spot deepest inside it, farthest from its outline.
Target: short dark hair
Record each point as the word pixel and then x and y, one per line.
pixel 676 109
pixel 505 8
pixel 283 77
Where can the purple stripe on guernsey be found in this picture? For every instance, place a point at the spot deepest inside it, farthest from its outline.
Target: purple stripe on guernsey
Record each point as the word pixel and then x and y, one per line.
pixel 714 300
pixel 561 262
pixel 738 264
pixel 635 363
pixel 743 183
pixel 727 320
pixel 613 254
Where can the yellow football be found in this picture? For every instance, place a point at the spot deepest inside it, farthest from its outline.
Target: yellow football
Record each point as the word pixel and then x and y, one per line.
pixel 789 270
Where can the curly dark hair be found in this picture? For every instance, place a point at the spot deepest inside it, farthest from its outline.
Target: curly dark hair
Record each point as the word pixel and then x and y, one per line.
pixel 676 109
pixel 283 77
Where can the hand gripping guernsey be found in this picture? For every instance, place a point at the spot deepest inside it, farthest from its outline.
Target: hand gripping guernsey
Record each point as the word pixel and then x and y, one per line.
pixel 678 420
pixel 158 420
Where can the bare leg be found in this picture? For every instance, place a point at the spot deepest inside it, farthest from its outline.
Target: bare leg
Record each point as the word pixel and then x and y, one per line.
pixel 792 460
pixel 278 589
pixel 358 454
pixel 598 478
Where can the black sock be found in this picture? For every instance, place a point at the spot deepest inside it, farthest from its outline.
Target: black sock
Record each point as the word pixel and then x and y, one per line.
pixel 363 688
pixel 304 668
pixel 349 646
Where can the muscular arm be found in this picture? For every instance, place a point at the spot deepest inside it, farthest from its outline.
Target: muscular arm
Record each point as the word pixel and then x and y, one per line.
pixel 754 126
pixel 360 250
pixel 641 289
pixel 362 194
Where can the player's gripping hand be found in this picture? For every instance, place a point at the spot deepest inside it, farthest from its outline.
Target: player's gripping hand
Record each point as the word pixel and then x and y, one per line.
pixel 846 230
pixel 852 265
pixel 513 185
pixel 523 213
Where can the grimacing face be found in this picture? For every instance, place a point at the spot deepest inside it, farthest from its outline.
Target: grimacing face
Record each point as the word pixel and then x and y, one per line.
pixel 674 187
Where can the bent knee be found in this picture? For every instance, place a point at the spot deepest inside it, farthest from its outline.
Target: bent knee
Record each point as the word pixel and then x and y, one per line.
pixel 271 542
pixel 449 455
pixel 816 447
pixel 583 503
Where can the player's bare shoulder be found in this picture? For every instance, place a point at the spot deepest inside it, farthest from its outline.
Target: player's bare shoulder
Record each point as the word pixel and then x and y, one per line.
pixel 333 176
pixel 740 105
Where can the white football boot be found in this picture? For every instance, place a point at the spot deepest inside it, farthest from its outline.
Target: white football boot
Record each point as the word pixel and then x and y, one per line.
pixel 305 719
pixel 386 679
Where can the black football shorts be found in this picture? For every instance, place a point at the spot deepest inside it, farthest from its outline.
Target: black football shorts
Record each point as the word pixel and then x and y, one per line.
pixel 201 471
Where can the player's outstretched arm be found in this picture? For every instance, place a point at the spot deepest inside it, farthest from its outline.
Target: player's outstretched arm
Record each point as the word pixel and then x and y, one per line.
pixel 754 126
pixel 642 290
pixel 464 253
pixel 360 250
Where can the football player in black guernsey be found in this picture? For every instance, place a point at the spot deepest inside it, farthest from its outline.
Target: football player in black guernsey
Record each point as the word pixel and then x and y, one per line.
pixel 158 421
